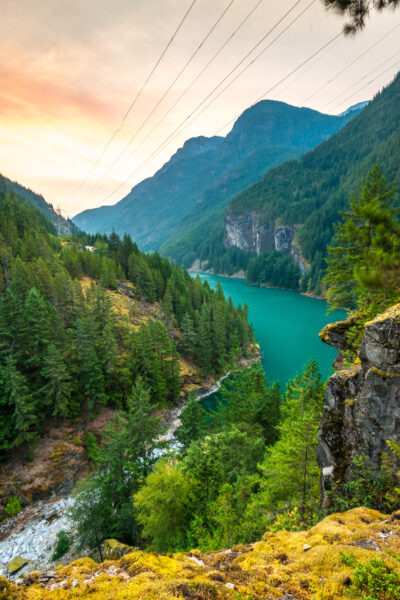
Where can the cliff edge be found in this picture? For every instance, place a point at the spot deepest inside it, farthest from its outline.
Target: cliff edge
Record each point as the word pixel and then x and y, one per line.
pixel 362 403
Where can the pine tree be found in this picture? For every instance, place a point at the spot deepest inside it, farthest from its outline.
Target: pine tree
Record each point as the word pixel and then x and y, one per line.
pixel 25 415
pixel 128 454
pixel 58 387
pixel 290 473
pixel 192 422
pixel 189 337
pixel 363 262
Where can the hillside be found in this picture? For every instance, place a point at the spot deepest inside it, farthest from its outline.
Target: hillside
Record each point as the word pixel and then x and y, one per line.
pixel 301 199
pixel 79 325
pixel 60 225
pixel 203 174
pixel 284 565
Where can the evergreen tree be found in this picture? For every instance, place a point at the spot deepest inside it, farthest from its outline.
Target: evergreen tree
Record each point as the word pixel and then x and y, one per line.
pixel 290 473
pixel 192 422
pixel 127 457
pixel 25 416
pixel 58 387
pixel 363 262
pixel 359 10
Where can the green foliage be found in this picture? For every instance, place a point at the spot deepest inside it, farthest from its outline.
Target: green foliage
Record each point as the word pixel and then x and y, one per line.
pixel 92 449
pixel 289 472
pixel 103 503
pixel 363 266
pixel 63 545
pixel 273 269
pixel 358 10
pixel 13 506
pixel 223 491
pixel 247 398
pixel 372 581
pixel 193 422
pixel 369 485
pixel 164 505
pixel 63 349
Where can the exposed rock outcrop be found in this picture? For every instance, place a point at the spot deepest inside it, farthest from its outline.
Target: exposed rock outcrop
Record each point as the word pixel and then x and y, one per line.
pixel 246 232
pixel 362 403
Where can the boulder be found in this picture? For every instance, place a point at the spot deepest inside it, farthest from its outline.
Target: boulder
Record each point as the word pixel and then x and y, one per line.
pixel 16 564
pixel 114 550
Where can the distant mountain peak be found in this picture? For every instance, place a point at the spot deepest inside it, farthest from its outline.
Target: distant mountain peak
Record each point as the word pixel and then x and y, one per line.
pixel 358 107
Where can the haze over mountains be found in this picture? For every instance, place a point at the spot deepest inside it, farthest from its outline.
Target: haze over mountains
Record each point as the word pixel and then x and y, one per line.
pixel 205 173
pixel 64 226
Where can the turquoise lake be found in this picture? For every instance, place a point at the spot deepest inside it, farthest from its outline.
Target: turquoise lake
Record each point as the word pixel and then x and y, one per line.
pixel 286 325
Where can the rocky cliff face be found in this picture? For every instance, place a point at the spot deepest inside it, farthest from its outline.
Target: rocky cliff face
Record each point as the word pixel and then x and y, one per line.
pixel 362 403
pixel 245 232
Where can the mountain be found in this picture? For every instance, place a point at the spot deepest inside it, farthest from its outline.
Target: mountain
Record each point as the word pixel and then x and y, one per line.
pixel 61 225
pixel 206 172
pixel 301 199
pixel 356 107
pixel 292 209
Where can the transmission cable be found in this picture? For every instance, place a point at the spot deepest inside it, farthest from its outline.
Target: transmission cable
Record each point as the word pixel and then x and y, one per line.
pixel 138 95
pixel 183 124
pixel 368 83
pixel 196 78
pixel 331 41
pixel 144 122
pixel 323 86
pixel 359 80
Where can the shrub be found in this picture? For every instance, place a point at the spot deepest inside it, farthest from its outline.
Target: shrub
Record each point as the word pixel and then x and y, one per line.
pixel 64 542
pixel 13 506
pixel 372 581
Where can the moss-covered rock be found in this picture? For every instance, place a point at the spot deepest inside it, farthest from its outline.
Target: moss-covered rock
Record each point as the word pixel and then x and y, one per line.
pixel 16 564
pixel 114 550
pixel 273 568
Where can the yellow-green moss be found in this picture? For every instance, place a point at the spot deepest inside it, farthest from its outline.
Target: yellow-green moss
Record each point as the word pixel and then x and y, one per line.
pixel 390 313
pixel 384 374
pixel 256 572
pixel 350 401
pixel 16 564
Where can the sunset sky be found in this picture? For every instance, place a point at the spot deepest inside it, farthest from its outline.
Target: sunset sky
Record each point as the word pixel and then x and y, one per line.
pixel 69 70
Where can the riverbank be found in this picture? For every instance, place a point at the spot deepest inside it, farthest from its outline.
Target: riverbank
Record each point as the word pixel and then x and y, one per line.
pixel 242 275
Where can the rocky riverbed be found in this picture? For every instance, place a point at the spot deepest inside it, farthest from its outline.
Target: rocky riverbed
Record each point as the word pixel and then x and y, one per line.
pixel 31 536
pixel 27 541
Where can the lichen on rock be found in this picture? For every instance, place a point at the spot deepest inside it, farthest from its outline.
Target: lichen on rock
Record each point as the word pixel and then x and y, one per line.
pixel 362 403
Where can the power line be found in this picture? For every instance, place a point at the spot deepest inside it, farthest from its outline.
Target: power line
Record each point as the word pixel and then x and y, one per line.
pixel 183 69
pixel 359 80
pixel 183 124
pixel 131 106
pixel 368 83
pixel 337 36
pixel 254 60
pixel 196 78
pixel 323 86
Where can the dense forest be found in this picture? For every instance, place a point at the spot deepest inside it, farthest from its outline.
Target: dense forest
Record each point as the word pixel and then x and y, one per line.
pixel 64 349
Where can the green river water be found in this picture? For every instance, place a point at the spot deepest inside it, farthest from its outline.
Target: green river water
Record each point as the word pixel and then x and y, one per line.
pixel 286 325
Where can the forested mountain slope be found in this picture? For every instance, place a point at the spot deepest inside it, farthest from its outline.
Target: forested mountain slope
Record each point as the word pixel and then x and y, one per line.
pixel 203 174
pixel 61 225
pixel 71 336
pixel 302 198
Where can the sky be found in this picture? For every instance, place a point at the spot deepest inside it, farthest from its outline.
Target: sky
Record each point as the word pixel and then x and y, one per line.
pixel 70 70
